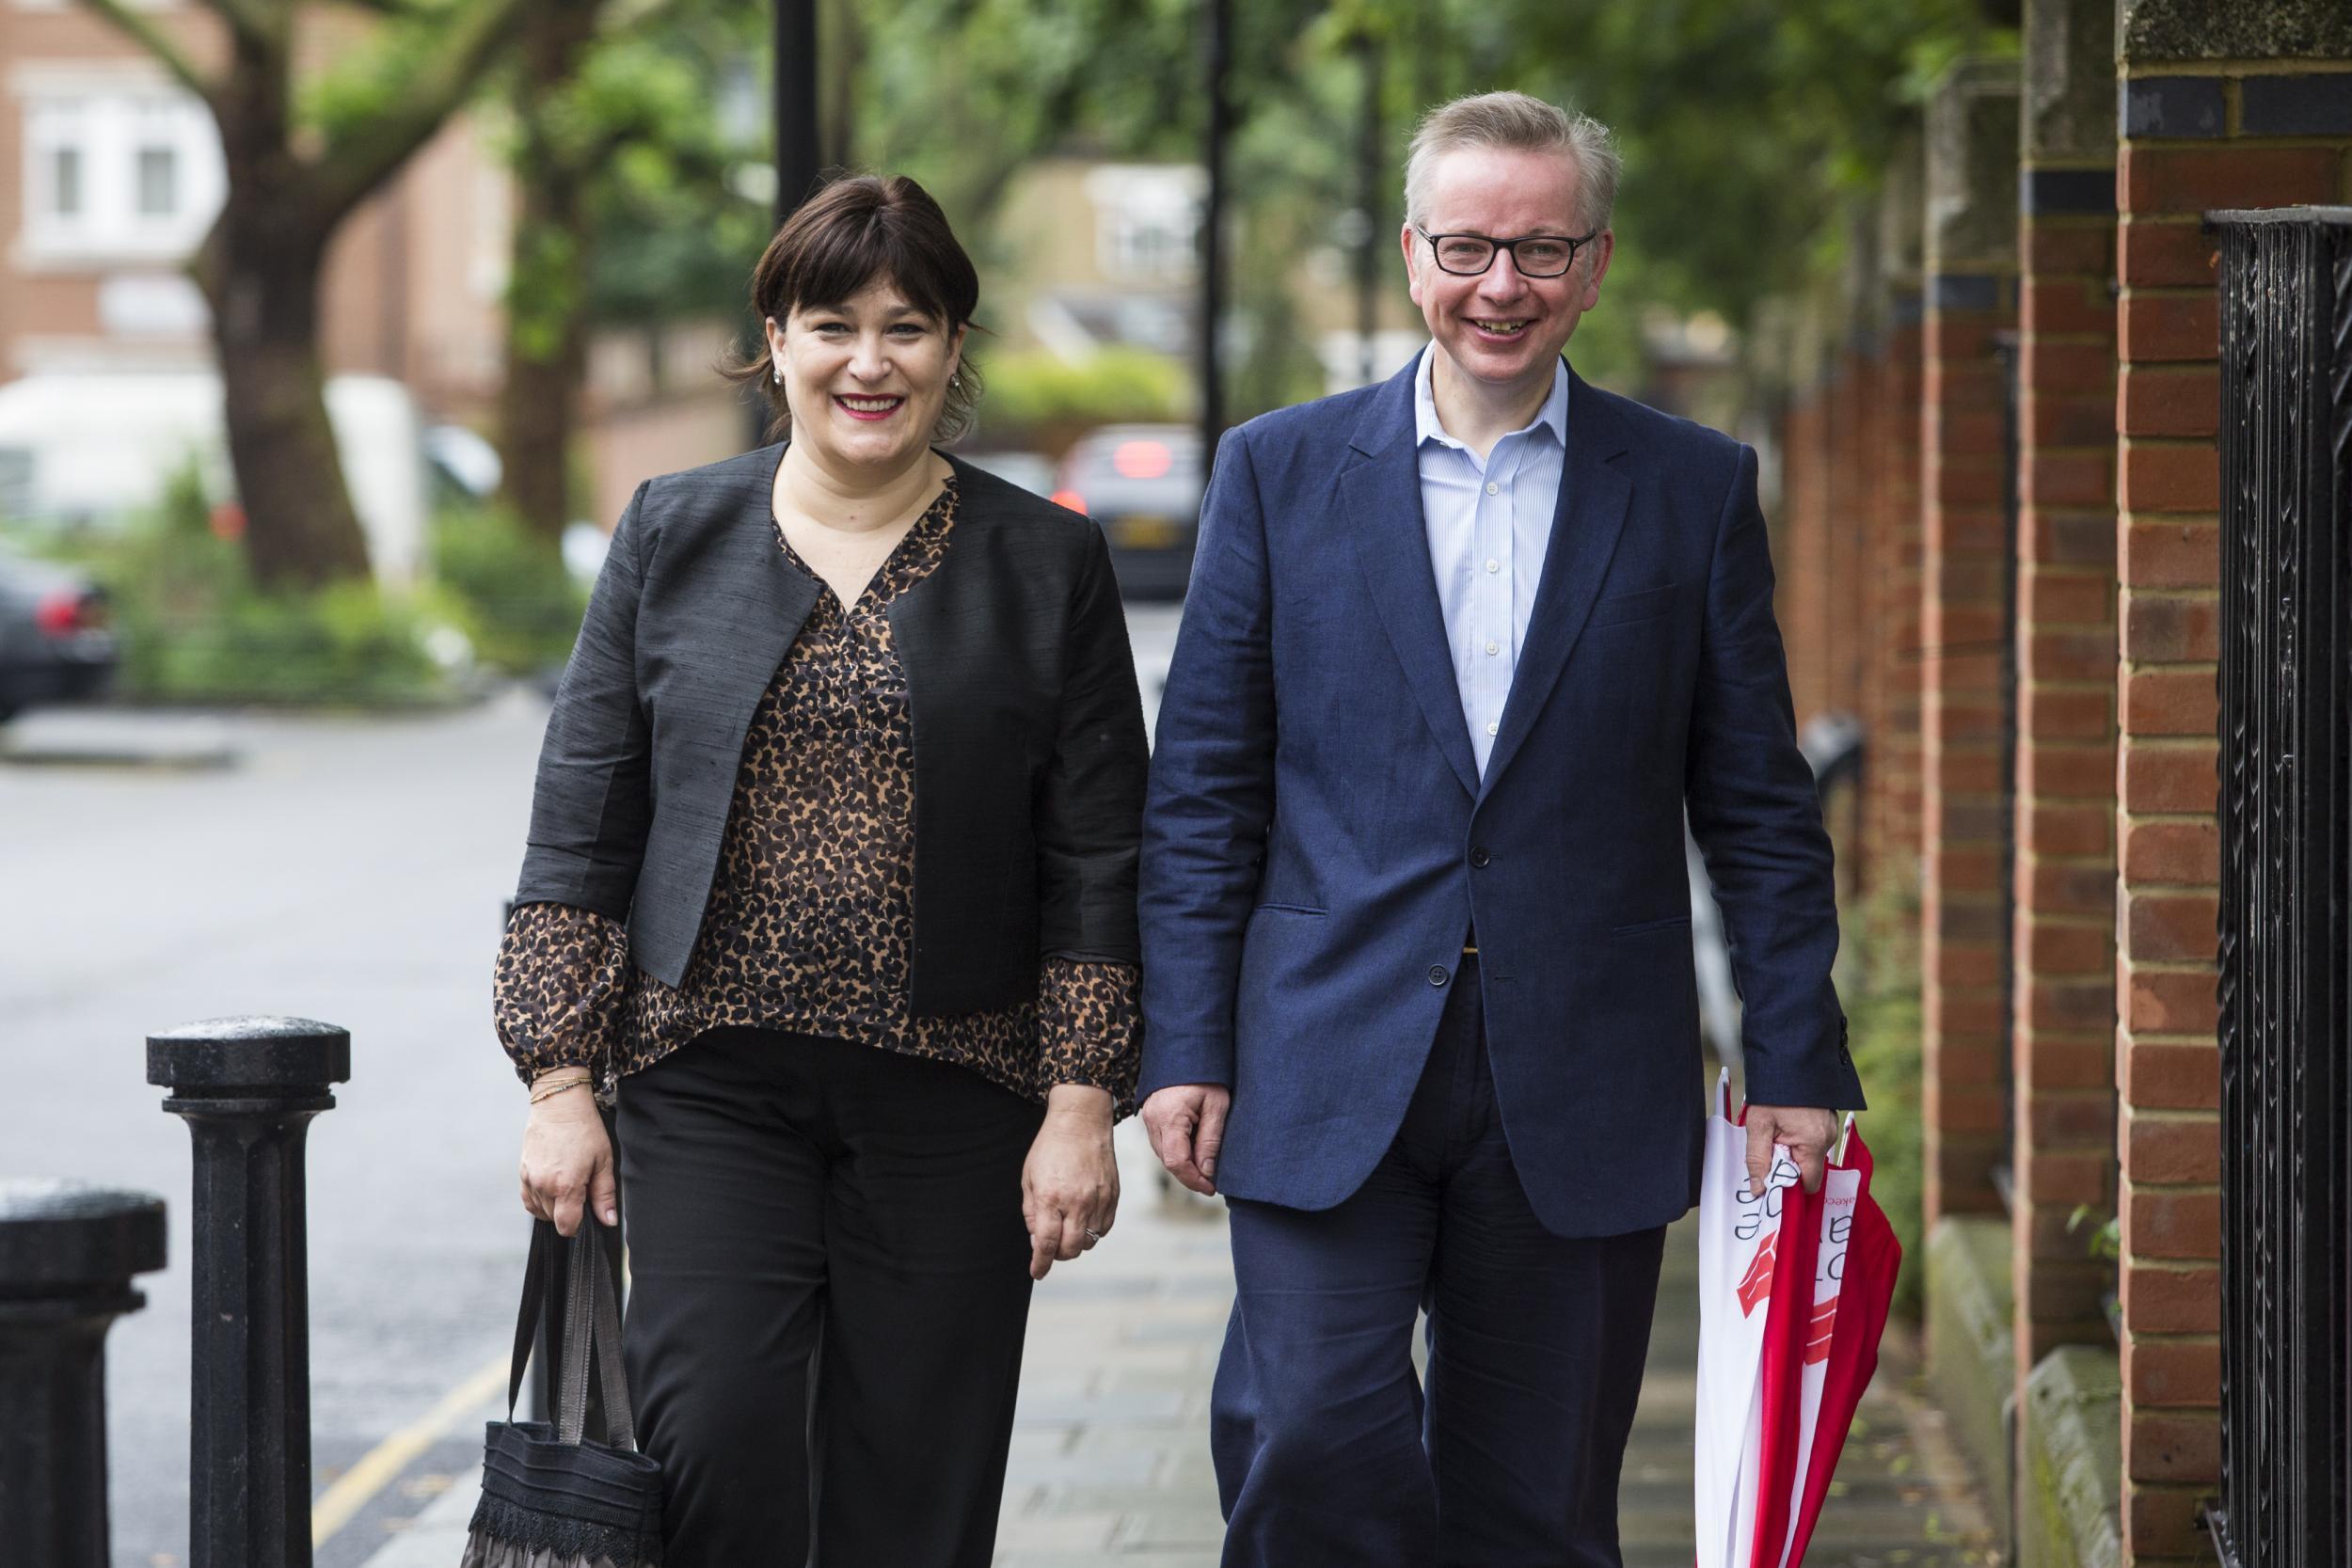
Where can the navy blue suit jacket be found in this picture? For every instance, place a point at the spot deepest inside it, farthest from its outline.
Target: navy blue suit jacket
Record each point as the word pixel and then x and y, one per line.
pixel 1318 840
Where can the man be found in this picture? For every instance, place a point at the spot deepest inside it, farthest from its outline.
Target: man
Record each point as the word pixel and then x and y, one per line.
pixel 1460 652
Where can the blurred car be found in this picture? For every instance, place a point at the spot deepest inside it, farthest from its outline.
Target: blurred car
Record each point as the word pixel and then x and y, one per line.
pixel 56 645
pixel 1141 483
pixel 463 466
pixel 1029 470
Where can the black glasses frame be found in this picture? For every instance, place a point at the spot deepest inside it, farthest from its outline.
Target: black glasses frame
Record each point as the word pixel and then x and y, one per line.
pixel 1494 248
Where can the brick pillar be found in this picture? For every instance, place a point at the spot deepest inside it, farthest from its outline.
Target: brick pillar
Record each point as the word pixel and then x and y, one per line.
pixel 2063 943
pixel 1971 282
pixel 1800 548
pixel 1891 668
pixel 1846 503
pixel 2225 103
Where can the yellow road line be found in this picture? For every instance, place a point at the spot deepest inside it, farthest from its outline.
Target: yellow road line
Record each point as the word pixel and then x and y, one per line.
pixel 357 1486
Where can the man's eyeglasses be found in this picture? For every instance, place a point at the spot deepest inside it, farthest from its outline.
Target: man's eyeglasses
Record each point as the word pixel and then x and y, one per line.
pixel 1533 254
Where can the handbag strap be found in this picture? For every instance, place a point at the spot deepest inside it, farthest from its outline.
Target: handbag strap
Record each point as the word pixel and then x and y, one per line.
pixel 591 1321
pixel 534 1301
pixel 593 1324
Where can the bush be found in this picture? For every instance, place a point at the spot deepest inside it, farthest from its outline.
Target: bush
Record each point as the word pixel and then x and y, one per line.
pixel 195 627
pixel 1051 401
pixel 506 588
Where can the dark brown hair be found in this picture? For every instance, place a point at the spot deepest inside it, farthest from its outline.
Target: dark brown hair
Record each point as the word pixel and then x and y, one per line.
pixel 858 229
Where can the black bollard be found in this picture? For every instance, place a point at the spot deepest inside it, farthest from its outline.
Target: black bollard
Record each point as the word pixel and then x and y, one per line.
pixel 247 1089
pixel 68 1253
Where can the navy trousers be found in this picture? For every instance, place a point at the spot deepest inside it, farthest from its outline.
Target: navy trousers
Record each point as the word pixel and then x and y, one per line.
pixel 1329 1451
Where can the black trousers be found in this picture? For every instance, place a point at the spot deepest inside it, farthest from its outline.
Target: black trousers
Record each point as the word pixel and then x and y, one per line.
pixel 1329 1450
pixel 829 1288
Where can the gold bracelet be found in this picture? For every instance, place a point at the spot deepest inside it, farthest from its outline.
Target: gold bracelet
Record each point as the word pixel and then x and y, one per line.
pixel 549 1091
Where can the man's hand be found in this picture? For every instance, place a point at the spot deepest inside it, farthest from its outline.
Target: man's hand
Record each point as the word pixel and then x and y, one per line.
pixel 1187 1122
pixel 1804 1130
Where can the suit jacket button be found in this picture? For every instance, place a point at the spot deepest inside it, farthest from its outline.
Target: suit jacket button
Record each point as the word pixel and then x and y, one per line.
pixel 1480 857
pixel 1437 974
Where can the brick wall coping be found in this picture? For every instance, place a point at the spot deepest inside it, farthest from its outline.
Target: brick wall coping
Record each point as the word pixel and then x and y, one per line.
pixel 2280 215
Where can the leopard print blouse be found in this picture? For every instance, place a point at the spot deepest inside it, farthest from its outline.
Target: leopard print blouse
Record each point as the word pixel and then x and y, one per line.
pixel 811 917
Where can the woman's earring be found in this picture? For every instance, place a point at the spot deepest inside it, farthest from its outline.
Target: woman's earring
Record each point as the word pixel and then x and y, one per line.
pixel 954 379
pixel 776 374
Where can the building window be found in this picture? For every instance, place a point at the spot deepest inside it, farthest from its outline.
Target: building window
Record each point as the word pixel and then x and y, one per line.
pixel 158 186
pixel 1147 221
pixel 116 174
pixel 65 182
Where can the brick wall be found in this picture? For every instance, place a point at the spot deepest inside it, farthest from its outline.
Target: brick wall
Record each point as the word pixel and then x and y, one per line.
pixel 2198 134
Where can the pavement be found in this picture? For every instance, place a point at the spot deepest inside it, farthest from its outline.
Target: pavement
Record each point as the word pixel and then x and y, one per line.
pixel 1110 1458
pixel 120 738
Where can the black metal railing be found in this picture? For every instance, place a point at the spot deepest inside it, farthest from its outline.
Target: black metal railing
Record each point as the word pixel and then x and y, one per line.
pixel 2286 888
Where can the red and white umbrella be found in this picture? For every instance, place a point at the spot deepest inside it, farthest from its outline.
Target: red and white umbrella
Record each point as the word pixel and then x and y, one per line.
pixel 1794 1289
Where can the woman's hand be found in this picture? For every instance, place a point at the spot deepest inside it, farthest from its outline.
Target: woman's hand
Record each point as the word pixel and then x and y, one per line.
pixel 1070 1185
pixel 566 1159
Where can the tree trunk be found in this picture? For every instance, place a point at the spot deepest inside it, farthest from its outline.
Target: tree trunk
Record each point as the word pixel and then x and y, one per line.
pixel 548 288
pixel 260 277
pixel 545 365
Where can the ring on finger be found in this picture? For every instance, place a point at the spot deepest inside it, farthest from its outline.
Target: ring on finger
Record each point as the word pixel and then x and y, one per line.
pixel 1091 1234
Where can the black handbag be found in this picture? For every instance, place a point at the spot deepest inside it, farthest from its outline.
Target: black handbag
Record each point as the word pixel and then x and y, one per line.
pixel 551 1496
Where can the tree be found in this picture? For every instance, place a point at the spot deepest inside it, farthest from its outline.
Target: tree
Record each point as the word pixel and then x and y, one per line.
pixel 625 213
pixel 546 352
pixel 299 157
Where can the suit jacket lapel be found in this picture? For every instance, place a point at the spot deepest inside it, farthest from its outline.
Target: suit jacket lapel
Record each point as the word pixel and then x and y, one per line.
pixel 1585 525
pixel 746 632
pixel 1381 492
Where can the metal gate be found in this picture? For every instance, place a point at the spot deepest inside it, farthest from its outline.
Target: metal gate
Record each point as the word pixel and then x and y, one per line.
pixel 2286 888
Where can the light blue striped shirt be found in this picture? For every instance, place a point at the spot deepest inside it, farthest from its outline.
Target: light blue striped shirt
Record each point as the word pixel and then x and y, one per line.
pixel 1489 524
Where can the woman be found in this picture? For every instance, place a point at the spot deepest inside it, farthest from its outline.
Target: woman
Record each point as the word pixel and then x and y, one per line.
pixel 831 883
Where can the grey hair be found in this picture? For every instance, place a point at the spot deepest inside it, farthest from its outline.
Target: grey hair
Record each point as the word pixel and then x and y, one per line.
pixel 1516 121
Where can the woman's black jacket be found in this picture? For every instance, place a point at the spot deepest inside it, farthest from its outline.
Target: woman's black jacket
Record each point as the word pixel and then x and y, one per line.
pixel 1029 755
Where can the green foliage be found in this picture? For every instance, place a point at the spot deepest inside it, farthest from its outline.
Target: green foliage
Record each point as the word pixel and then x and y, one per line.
pixel 1028 392
pixel 2103 1239
pixel 505 588
pixel 960 93
pixel 194 628
pixel 676 230
pixel 1883 1033
pixel 359 87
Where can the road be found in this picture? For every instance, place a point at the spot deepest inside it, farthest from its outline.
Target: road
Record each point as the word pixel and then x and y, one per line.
pixel 351 870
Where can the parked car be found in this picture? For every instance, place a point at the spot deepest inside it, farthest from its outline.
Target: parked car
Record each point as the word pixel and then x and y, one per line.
pixel 1142 485
pixel 56 645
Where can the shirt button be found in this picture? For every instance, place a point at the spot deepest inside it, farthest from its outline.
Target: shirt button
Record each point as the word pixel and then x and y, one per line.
pixel 1437 974
pixel 1492 488
pixel 1479 856
pixel 1492 726
pixel 1494 566
pixel 1493 648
